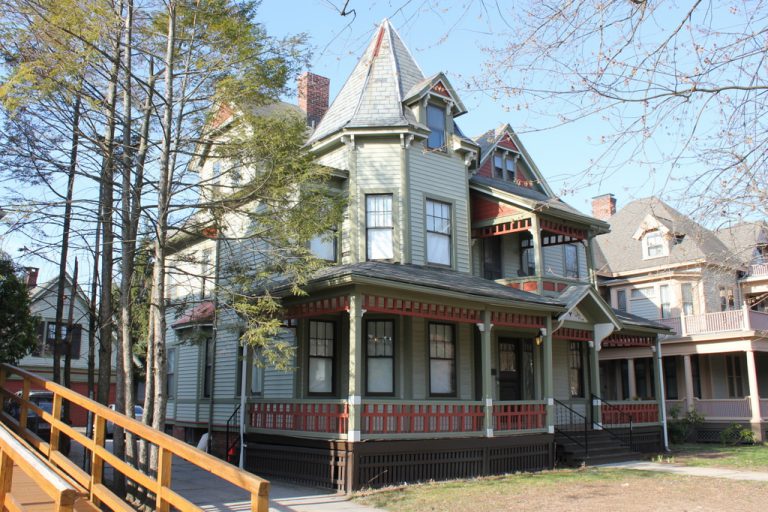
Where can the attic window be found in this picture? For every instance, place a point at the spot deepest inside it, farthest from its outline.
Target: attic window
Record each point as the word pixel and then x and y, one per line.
pixel 436 125
pixel 498 166
pixel 678 239
pixel 653 245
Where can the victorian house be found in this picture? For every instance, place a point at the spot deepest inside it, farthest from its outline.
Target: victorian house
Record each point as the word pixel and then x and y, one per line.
pixel 711 289
pixel 457 329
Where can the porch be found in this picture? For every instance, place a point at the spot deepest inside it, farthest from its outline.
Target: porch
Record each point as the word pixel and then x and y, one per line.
pixel 743 319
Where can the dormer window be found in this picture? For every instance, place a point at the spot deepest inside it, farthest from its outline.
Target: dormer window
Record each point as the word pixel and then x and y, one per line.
pixel 654 245
pixel 436 125
pixel 510 166
pixel 498 166
pixel 504 165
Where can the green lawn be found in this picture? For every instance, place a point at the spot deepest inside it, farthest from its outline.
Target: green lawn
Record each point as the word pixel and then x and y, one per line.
pixel 752 458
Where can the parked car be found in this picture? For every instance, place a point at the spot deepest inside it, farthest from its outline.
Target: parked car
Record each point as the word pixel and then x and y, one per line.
pixel 138 414
pixel 43 400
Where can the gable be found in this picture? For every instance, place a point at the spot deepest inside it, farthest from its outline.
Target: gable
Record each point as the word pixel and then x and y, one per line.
pixel 486 208
pixel 439 88
pixel 507 143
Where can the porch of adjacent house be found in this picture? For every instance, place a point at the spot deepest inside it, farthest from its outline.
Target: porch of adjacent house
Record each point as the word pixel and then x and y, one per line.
pixel 724 387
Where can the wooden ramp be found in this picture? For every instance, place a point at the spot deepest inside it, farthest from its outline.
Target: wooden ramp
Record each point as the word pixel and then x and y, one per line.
pixel 36 471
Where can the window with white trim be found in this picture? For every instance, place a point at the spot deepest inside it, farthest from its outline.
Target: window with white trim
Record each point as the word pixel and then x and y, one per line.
pixel 442 360
pixel 571 261
pixel 498 166
pixel 621 300
pixel 379 227
pixel 438 232
pixel 654 245
pixel 321 350
pixel 323 246
pixel 735 376
pixel 686 292
pixel 664 301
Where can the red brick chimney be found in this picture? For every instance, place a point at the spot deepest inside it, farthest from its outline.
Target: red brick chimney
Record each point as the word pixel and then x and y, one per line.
pixel 313 96
pixel 604 206
pixel 32 273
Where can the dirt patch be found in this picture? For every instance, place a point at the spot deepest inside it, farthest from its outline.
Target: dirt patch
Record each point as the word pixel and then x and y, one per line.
pixel 579 491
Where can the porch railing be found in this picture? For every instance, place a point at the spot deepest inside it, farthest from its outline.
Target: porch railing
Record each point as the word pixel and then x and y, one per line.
pixel 618 413
pixel 678 405
pixel 512 416
pixel 764 408
pixel 761 269
pixel 401 417
pixel 328 417
pixel 723 408
pixel 720 321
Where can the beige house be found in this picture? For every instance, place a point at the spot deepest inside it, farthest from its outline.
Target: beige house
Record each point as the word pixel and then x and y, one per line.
pixel 457 328
pixel 711 289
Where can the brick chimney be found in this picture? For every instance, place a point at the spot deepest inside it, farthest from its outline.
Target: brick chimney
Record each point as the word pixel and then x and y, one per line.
pixel 313 96
pixel 32 273
pixel 604 206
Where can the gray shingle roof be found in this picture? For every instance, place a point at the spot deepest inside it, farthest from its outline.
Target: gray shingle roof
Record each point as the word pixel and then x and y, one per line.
pixel 373 94
pixel 541 200
pixel 743 239
pixel 623 253
pixel 439 279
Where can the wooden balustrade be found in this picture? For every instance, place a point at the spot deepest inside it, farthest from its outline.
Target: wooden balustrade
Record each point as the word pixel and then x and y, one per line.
pixel 93 482
pixel 396 417
pixel 760 269
pixel 617 413
pixel 519 416
pixel 720 321
pixel 302 416
pixel 723 408
pixel 764 408
pixel 14 452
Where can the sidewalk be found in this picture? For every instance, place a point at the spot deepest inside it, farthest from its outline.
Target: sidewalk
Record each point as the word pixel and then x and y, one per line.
pixel 679 469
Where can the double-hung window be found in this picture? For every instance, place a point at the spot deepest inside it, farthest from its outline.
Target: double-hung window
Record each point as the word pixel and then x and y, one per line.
pixel 686 290
pixel 734 376
pixel 380 357
pixel 379 227
pixel 509 165
pixel 621 300
pixel 438 233
pixel 436 125
pixel 664 305
pixel 527 258
pixel 498 166
pixel 442 360
pixel 321 348
pixel 654 243
pixel 323 246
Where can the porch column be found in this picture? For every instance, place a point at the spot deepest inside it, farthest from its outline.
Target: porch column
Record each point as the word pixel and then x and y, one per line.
pixel 594 382
pixel 754 395
pixel 631 380
pixel 688 383
pixel 660 393
pixel 355 401
pixel 549 386
pixel 485 351
pixel 538 253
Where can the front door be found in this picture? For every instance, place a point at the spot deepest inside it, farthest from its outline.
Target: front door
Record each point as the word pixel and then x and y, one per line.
pixel 510 371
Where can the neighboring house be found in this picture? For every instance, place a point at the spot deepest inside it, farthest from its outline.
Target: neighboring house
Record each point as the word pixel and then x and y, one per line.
pixel 456 331
pixel 43 304
pixel 711 288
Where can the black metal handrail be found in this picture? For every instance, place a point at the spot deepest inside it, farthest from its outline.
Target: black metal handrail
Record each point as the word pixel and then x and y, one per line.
pixel 577 421
pixel 610 430
pixel 231 448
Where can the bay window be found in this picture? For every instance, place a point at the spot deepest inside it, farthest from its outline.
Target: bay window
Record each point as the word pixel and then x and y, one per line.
pixel 438 233
pixel 379 227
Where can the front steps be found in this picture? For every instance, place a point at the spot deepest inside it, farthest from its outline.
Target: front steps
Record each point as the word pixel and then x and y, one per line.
pixel 602 448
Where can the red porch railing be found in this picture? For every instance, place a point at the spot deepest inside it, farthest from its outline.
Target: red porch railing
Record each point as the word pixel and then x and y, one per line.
pixel 323 417
pixel 519 416
pixel 421 417
pixel 640 412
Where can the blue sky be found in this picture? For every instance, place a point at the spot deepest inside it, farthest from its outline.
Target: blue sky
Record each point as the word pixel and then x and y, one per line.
pixel 452 40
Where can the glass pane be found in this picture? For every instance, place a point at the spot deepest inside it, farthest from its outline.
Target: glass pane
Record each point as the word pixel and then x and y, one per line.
pixel 323 247
pixel 320 375
pixel 380 372
pixel 438 249
pixel 441 376
pixel 380 246
pixel 436 123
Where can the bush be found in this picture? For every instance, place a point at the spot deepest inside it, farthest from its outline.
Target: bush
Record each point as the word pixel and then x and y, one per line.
pixel 681 429
pixel 737 434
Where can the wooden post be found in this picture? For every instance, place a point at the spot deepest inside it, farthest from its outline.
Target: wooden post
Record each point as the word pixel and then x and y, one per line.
pixel 97 464
pixel 487 378
pixel 688 382
pixel 23 411
pixel 549 386
pixel 55 434
pixel 631 379
pixel 165 459
pixel 6 476
pixel 754 396
pixel 355 367
pixel 538 252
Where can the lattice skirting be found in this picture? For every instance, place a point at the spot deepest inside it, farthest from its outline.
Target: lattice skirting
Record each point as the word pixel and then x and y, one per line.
pixel 351 466
pixel 709 432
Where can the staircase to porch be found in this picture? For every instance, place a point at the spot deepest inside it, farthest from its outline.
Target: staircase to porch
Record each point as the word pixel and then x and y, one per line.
pixel 579 440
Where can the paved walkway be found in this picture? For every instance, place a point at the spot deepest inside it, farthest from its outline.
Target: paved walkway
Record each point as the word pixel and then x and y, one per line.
pixel 213 494
pixel 679 469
